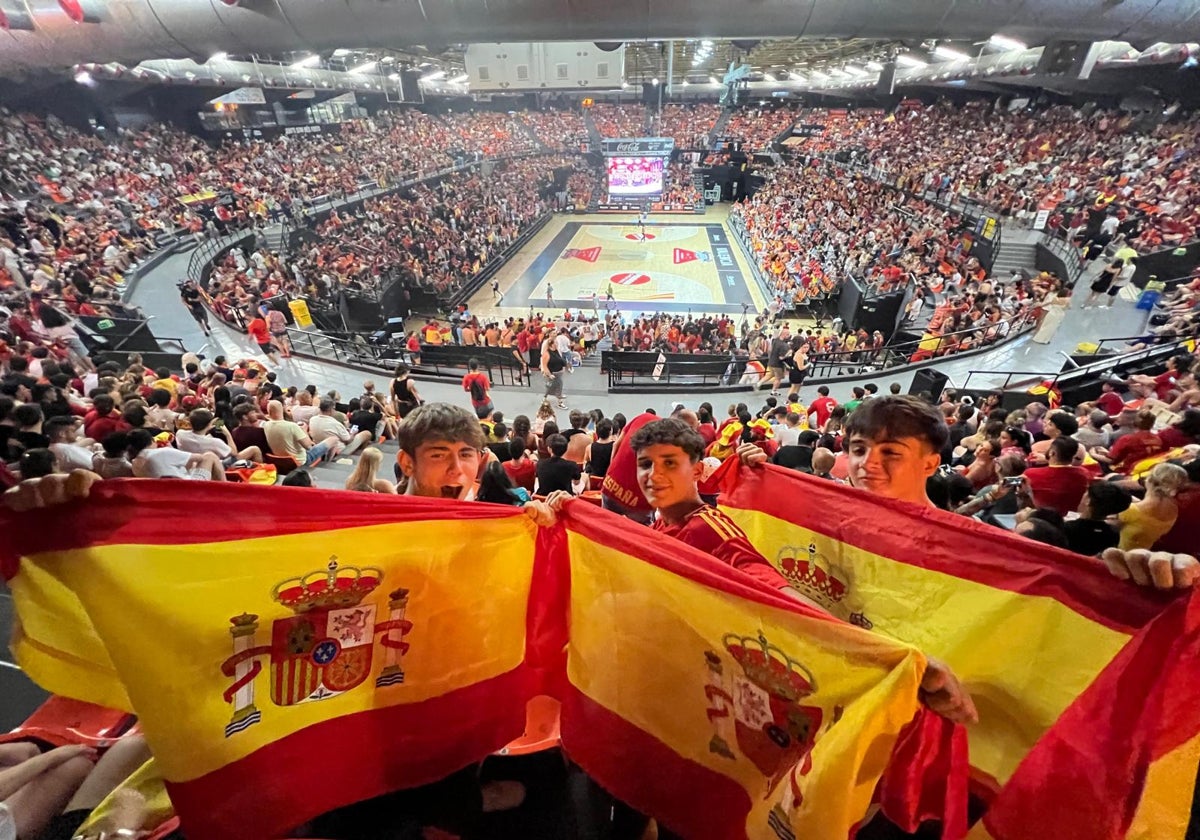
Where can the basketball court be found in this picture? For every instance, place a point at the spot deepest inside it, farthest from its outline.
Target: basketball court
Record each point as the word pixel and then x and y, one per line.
pixel 663 267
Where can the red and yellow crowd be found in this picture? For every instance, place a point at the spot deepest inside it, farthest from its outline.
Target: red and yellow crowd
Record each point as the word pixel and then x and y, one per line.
pixel 619 120
pixel 689 125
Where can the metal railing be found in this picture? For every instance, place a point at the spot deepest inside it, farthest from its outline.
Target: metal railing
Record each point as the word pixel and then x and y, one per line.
pixel 1056 243
pixel 1103 364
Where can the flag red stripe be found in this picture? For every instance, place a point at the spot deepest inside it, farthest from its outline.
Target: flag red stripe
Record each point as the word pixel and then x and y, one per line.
pixel 938 540
pixel 617 532
pixel 649 776
pixel 142 511
pixel 347 759
pixel 1085 776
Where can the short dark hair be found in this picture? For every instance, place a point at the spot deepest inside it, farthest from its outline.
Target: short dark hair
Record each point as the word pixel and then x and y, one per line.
pixel 1045 532
pixel 1108 499
pixel 557 444
pixel 823 390
pixel 201 418
pixel 438 421
pixel 159 397
pixel 325 405
pixel 670 432
pixel 240 412
pixel 1064 422
pixel 871 388
pixel 604 428
pixel 27 414
pixel 1066 448
pixel 516 448
pixel 54 426
pixel 899 416
pixel 36 463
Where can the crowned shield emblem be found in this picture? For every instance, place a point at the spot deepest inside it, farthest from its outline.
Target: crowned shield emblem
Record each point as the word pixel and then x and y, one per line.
pixel 320 654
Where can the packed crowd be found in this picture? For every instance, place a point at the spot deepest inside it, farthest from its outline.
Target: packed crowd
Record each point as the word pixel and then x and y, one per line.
pixel 619 120
pixel 492 133
pixel 810 227
pixel 679 187
pixel 1067 158
pixel 563 131
pixel 689 125
pixel 757 128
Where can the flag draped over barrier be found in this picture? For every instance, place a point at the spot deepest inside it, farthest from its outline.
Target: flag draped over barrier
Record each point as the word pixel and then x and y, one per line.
pixel 1055 652
pixel 311 649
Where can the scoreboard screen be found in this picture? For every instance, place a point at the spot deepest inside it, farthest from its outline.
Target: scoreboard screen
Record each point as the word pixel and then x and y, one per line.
pixel 635 175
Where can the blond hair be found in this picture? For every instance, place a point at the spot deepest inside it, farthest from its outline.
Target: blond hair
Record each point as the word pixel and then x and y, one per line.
pixel 1166 479
pixel 363 477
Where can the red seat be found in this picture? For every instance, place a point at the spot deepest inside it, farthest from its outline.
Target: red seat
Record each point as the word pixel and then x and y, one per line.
pixel 61 721
pixel 284 464
pixel 541 728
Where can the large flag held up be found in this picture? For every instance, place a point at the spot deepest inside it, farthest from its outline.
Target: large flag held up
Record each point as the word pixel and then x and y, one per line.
pixel 1035 633
pixel 323 648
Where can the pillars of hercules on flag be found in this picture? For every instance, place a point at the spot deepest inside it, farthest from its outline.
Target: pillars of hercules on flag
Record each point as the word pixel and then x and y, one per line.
pixel 245 669
pixel 396 628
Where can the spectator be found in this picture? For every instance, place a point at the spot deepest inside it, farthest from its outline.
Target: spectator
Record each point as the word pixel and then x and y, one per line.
pixel 365 478
pixel 287 440
pixel 1091 533
pixel 1144 522
pixel 556 472
pixel 1061 485
pixel 328 427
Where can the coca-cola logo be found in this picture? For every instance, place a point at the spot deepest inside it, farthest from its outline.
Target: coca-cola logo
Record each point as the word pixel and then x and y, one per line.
pixel 629 147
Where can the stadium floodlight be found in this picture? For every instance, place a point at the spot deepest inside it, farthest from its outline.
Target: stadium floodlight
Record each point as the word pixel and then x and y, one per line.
pixel 911 61
pixel 654 81
pixel 950 55
pixel 307 61
pixel 1005 43
pixel 340 53
pixel 365 67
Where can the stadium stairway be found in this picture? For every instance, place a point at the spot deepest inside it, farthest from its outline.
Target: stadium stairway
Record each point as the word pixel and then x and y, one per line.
pixel 1014 256
pixel 532 135
pixel 593 133
pixel 719 126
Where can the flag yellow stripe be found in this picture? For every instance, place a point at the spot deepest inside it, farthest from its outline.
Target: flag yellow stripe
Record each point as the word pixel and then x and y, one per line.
pixel 165 608
pixel 639 639
pixel 56 644
pixel 1024 658
pixel 1166 802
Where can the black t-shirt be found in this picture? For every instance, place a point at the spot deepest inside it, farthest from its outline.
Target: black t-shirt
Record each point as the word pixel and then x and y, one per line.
pixel 570 433
pixel 502 450
pixel 191 296
pixel 556 474
pixel 365 420
pixel 794 458
pixel 601 458
pixel 1089 536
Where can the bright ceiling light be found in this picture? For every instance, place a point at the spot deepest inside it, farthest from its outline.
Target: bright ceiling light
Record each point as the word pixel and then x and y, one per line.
pixel 911 61
pixel 654 81
pixel 433 77
pixel 1001 42
pixel 854 69
pixel 84 78
pixel 365 67
pixel 874 66
pixel 706 43
pixel 307 61
pixel 395 77
pixel 950 55
pixel 683 82
pixel 712 80
pixel 796 77
pixel 340 53
pixel 459 79
pixel 218 56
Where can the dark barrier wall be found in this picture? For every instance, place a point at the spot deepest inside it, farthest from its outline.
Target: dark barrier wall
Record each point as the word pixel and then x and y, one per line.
pixel 1165 265
pixel 1047 260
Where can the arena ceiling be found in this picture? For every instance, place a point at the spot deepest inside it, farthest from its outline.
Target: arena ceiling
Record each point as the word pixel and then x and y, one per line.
pixel 43 34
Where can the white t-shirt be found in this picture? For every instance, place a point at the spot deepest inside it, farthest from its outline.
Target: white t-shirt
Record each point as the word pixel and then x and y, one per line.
pixel 786 436
pixel 189 441
pixel 72 456
pixel 163 463
pixel 324 425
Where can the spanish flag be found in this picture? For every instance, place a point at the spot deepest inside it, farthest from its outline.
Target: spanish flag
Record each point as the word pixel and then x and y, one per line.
pixel 312 649
pixel 1028 628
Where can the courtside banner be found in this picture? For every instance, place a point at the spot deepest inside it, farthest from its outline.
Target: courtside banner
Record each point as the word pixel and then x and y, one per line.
pixel 297 652
pixel 1121 763
pixel 727 709
pixel 1026 627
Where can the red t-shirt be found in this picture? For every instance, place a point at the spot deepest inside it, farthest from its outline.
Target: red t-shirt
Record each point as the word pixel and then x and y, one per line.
pixel 1172 438
pixel 98 428
pixel 711 531
pixel 1060 488
pixel 1111 403
pixel 522 472
pixel 1163 383
pixel 484 382
pixel 1184 536
pixel 1132 448
pixel 822 407
pixel 708 432
pixel 259 331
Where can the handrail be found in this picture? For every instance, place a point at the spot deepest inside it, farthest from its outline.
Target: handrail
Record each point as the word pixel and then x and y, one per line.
pixel 1065 251
pixel 1100 365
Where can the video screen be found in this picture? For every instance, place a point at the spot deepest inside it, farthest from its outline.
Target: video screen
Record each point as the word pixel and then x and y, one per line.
pixel 635 175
